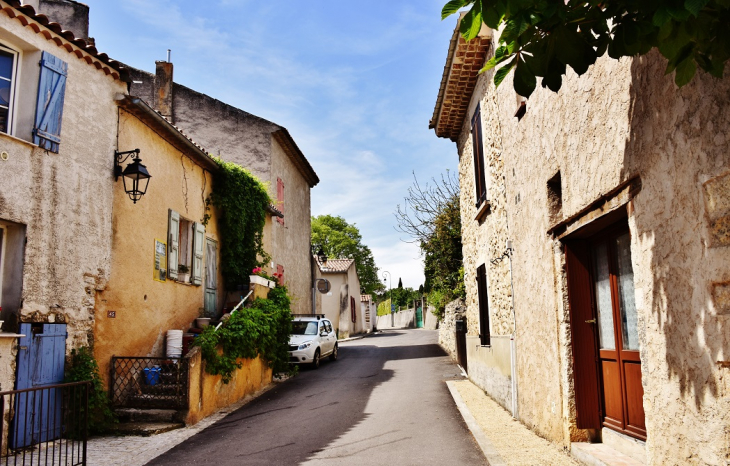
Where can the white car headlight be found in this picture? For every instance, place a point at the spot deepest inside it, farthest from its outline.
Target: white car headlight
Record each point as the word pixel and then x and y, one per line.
pixel 305 345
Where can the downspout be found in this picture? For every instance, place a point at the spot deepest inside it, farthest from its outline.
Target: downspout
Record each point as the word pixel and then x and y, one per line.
pixel 512 352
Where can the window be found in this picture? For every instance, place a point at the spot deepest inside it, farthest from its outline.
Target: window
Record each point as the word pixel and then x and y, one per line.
pixel 478 149
pixel 185 246
pixel 8 71
pixel 484 335
pixel 280 198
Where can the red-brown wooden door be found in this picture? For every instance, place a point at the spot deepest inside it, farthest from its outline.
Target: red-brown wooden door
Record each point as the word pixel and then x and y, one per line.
pixel 618 336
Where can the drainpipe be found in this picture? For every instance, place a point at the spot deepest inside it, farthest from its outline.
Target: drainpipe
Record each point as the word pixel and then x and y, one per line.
pixel 513 356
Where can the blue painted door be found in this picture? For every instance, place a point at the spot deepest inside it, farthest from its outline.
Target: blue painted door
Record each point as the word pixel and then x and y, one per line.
pixel 41 358
pixel 419 317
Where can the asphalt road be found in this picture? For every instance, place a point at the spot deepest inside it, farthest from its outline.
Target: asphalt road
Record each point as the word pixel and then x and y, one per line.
pixel 383 402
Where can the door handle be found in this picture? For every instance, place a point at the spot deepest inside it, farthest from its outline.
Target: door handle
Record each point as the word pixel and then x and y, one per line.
pixel 592 321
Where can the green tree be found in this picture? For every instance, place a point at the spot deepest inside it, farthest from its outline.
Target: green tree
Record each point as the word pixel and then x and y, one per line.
pixel 540 38
pixel 340 239
pixel 431 216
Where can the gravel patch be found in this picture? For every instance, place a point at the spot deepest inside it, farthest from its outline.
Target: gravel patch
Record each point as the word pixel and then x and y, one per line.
pixel 514 442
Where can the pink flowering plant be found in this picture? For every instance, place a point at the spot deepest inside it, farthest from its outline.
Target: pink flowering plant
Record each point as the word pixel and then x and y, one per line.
pixel 276 277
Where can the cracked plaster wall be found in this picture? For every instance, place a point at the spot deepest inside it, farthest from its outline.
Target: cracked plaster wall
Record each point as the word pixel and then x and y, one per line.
pixel 64 199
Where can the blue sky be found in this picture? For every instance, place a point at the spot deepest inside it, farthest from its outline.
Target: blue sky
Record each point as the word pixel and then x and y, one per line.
pixel 355 83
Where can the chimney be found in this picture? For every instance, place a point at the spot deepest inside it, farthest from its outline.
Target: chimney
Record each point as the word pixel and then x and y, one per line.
pixel 163 88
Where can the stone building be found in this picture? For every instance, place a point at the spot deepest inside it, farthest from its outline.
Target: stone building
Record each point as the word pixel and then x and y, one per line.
pixel 596 252
pixel 263 147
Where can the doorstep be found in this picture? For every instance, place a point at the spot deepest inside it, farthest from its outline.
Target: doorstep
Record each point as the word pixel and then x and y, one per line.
pixel 600 454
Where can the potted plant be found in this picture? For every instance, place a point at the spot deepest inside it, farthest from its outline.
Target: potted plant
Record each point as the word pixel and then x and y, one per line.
pixel 202 321
pixel 259 277
pixel 183 273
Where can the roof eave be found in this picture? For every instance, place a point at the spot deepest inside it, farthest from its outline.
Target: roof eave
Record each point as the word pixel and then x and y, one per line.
pixel 287 143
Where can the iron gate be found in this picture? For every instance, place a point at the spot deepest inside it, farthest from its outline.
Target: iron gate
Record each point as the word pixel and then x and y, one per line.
pixel 46 425
pixel 141 382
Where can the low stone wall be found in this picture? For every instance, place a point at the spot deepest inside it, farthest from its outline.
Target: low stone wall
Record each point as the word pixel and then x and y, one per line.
pixel 447 329
pixel 430 321
pixel 400 319
pixel 208 393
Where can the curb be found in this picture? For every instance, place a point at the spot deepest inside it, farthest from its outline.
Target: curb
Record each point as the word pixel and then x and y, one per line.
pixel 491 453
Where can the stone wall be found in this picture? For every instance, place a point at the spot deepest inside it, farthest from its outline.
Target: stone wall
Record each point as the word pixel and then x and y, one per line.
pixel 455 310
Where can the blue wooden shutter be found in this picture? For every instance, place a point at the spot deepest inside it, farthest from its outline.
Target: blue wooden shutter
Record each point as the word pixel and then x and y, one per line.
pixel 49 108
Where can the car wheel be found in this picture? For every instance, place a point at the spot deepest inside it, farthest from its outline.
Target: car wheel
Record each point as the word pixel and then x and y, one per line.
pixel 315 360
pixel 333 356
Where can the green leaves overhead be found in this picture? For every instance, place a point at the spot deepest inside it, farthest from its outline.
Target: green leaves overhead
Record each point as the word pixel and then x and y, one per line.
pixel 541 38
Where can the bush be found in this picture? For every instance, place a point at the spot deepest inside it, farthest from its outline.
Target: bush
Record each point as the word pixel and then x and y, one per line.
pixel 262 329
pixel 84 367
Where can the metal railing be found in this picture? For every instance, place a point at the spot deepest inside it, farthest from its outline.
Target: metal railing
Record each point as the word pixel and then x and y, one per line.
pixel 45 425
pixel 149 383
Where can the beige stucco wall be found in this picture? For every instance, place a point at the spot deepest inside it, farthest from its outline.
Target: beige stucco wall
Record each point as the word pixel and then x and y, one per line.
pixel 335 305
pixel 622 119
pixel 208 393
pixel 290 241
pixel 64 199
pixel 146 309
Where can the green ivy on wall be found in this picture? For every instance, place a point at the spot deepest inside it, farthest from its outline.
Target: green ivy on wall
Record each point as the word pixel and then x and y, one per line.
pixel 242 201
pixel 262 329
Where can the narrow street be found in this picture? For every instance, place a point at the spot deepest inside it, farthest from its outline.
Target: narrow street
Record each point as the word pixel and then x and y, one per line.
pixel 384 401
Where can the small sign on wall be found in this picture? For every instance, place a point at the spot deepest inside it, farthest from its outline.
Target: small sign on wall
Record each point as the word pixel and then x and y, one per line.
pixel 160 271
pixel 111 314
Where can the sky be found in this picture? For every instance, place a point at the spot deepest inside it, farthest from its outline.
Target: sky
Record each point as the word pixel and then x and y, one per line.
pixel 354 82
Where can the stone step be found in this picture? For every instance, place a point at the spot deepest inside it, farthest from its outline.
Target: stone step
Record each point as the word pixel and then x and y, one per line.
pixel 148 415
pixel 146 429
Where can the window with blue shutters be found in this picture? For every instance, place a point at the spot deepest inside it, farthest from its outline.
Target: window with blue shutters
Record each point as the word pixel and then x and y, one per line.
pixel 49 108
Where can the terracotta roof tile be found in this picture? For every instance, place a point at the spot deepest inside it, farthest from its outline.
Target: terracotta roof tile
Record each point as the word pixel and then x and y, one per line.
pixel 63 38
pixel 334 265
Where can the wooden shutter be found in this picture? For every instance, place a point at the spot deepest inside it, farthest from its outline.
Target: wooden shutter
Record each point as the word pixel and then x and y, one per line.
pixel 484 335
pixel 173 244
pixel 49 107
pixel 196 275
pixel 280 198
pixel 585 368
pixel 478 149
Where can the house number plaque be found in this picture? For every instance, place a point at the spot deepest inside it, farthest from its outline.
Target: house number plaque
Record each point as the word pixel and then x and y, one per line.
pixel 111 314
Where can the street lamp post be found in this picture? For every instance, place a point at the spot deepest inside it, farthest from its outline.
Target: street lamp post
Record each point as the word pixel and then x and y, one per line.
pixel 390 289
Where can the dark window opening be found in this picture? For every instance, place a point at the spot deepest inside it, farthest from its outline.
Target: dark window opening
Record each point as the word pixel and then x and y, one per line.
pixel 478 149
pixel 484 336
pixel 555 197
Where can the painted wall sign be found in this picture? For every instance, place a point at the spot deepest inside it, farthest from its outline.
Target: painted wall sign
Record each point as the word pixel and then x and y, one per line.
pixel 111 314
pixel 160 271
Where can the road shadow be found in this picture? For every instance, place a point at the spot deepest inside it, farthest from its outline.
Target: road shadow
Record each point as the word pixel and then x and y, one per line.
pixel 300 417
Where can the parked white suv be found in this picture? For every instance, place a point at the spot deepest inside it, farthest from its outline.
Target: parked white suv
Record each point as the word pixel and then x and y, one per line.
pixel 312 339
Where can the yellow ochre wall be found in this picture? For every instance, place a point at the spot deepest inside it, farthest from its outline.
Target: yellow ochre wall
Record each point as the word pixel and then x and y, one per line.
pixel 146 309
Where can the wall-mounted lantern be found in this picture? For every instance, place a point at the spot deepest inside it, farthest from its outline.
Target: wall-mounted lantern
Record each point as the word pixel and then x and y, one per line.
pixel 322 257
pixel 135 175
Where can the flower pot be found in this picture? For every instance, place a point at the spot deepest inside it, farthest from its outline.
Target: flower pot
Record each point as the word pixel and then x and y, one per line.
pixel 256 280
pixel 202 322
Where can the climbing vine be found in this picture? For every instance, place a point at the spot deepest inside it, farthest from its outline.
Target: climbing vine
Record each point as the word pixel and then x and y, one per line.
pixel 242 201
pixel 262 329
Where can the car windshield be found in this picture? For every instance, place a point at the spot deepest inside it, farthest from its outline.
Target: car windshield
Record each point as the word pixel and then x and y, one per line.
pixel 304 328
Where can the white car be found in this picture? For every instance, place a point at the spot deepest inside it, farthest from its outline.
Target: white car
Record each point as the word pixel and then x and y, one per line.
pixel 312 339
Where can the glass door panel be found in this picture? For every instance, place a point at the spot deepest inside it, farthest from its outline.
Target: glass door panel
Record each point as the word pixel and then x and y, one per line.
pixel 627 303
pixel 603 298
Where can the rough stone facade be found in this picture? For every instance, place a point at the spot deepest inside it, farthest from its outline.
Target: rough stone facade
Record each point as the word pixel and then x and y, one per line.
pixel 454 311
pixel 620 141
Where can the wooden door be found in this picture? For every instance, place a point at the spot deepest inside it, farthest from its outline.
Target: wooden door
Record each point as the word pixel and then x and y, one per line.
pixel 211 278
pixel 618 339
